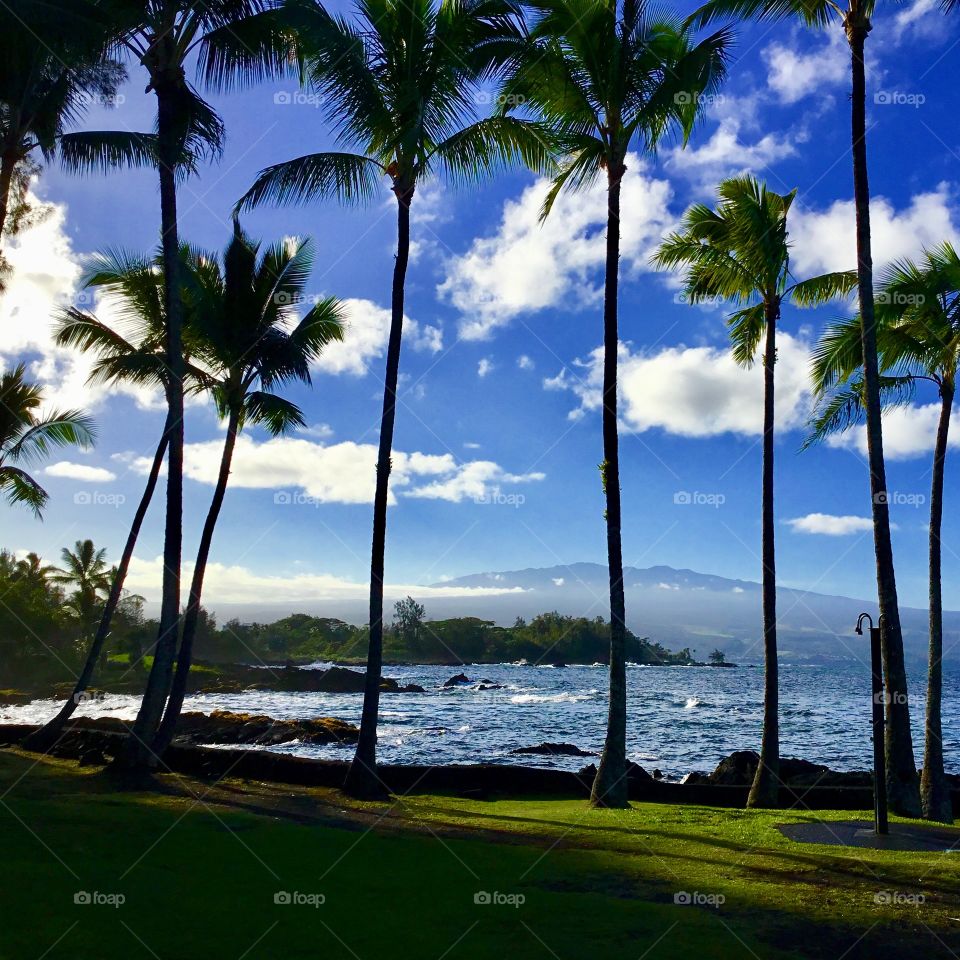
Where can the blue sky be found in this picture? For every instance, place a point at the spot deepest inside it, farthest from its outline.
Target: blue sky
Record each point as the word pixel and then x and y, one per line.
pixel 498 430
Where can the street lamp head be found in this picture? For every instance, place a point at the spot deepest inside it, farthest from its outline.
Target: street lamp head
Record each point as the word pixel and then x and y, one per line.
pixel 860 619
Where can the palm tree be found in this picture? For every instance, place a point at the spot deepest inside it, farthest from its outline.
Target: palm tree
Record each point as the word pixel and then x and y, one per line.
pixel 397 87
pixel 854 18
pixel 26 437
pixel 243 318
pixel 233 40
pixel 46 84
pixel 85 569
pixel 32 570
pixel 132 352
pixel 918 334
pixel 740 252
pixel 606 76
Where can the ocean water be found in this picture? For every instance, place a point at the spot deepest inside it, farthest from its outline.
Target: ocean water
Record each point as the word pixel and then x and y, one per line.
pixel 679 718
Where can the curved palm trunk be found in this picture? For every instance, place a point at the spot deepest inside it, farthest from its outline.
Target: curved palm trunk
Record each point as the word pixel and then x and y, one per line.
pixel 610 784
pixel 903 789
pixel 48 734
pixel 766 783
pixel 934 790
pixel 362 778
pixel 185 656
pixel 137 755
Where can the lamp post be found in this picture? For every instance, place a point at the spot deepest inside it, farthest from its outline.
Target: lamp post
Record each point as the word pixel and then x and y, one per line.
pixel 879 758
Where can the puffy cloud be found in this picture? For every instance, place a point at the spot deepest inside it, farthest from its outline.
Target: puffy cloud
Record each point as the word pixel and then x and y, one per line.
pixel 829 525
pixel 724 154
pixel 826 240
pixel 79 471
pixel 368 329
pixel 794 74
pixel 922 17
pixel 236 584
pixel 524 362
pixel 528 266
pixel 907 432
pixel 695 391
pixel 342 472
pixel 484 367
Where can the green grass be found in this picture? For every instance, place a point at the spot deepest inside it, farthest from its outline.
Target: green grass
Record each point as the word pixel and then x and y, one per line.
pixel 199 865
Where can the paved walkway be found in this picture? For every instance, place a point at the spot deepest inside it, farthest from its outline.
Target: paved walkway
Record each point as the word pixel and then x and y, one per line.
pixel 859 833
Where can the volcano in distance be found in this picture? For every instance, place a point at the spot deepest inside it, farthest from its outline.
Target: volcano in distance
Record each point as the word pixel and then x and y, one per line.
pixel 684 608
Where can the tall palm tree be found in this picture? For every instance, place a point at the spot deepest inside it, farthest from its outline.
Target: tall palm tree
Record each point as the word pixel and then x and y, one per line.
pixel 243 317
pixel 86 570
pixel 46 84
pixel 607 76
pixel 233 40
pixel 918 334
pixel 740 252
pixel 131 352
pixel 397 86
pixel 32 569
pixel 26 437
pixel 854 18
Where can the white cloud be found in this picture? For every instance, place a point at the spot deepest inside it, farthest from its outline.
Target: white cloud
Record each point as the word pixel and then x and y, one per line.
pixel 922 17
pixel 236 584
pixel 524 362
pixel 558 581
pixel 695 391
pixel 484 367
pixel 724 154
pixel 826 240
pixel 527 266
pixel 794 74
pixel 829 525
pixel 342 472
pixel 79 471
pixel 320 431
pixel 907 432
pixel 366 335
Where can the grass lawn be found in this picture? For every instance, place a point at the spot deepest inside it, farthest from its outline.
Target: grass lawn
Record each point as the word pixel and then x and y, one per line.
pixel 199 867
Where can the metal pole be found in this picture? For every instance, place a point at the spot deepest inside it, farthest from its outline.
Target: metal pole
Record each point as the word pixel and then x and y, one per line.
pixel 879 736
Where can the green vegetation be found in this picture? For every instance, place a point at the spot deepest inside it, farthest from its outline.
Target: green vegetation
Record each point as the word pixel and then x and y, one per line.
pixel 595 883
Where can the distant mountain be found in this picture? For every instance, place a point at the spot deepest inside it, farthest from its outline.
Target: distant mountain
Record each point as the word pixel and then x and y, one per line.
pixel 684 608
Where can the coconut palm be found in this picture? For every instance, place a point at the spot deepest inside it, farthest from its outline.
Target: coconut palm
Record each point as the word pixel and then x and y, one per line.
pixel 607 76
pixel 46 84
pixel 233 40
pixel 918 334
pixel 740 252
pixel 26 437
pixel 398 87
pixel 32 570
pixel 131 352
pixel 86 571
pixel 854 18
pixel 250 344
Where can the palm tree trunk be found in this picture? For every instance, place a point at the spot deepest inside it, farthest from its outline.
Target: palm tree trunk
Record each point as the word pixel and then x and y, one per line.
pixel 48 734
pixel 610 784
pixel 934 790
pixel 138 756
pixel 8 164
pixel 362 779
pixel 185 656
pixel 766 784
pixel 903 788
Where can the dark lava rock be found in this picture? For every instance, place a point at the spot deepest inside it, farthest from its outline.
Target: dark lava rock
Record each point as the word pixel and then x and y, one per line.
pixel 91 757
pixel 657 774
pixel 554 749
pixel 636 772
pixel 221 726
pixel 334 680
pixel 457 680
pixel 739 768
